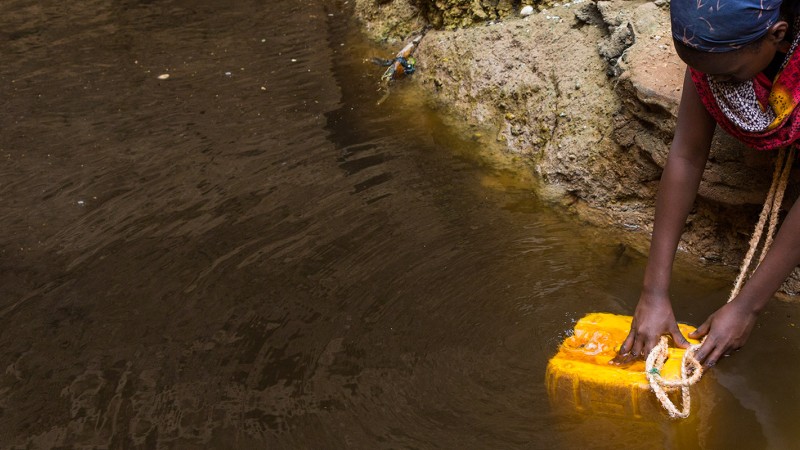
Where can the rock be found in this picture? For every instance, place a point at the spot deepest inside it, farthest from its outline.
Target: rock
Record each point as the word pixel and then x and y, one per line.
pixel 621 38
pixel 530 94
pixel 390 20
pixel 614 12
pixel 598 142
pixel 393 20
pixel 588 13
pixel 527 10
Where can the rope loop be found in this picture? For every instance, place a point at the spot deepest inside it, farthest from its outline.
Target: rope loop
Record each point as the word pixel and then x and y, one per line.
pixel 691 369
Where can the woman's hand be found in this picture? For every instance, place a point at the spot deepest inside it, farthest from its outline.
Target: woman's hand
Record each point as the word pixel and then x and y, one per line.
pixel 727 330
pixel 677 190
pixel 653 318
pixel 729 327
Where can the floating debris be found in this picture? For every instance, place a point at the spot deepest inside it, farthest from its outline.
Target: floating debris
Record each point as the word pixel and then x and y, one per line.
pixel 163 76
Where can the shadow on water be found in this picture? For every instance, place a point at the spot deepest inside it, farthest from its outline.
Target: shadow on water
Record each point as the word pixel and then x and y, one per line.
pixel 252 252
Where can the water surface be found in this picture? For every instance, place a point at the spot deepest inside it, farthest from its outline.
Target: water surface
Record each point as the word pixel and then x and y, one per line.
pixel 253 254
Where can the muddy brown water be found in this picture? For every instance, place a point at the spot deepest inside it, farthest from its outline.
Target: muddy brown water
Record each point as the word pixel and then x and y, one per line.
pixel 253 254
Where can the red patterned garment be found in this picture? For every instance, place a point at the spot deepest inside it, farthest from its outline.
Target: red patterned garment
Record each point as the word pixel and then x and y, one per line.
pixel 761 113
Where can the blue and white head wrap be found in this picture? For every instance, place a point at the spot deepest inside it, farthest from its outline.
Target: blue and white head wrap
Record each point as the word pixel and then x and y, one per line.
pixel 722 25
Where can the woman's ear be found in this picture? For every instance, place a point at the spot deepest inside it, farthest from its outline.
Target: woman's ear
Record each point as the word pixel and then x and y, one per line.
pixel 777 32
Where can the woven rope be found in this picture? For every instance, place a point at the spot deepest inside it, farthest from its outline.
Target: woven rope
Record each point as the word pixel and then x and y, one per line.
pixel 691 369
pixel 772 206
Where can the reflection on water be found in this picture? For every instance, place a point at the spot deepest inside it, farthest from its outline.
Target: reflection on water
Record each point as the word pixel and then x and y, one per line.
pixel 253 253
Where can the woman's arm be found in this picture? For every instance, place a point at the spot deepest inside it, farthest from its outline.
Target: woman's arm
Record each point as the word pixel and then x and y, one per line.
pixel 730 326
pixel 676 193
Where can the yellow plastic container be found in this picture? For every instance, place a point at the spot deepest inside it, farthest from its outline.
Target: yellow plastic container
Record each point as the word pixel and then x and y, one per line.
pixel 579 376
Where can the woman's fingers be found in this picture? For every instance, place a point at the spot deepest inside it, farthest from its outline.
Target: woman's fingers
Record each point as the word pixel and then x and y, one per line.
pixel 701 331
pixel 705 350
pixel 626 346
pixel 711 351
pixel 678 339
pixel 641 346
pixel 638 347
pixel 715 356
pixel 651 343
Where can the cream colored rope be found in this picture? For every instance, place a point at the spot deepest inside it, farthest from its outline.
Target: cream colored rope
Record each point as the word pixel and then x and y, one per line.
pixel 691 369
pixel 772 206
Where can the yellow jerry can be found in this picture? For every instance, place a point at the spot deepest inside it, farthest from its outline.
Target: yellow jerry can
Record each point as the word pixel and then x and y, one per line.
pixel 580 376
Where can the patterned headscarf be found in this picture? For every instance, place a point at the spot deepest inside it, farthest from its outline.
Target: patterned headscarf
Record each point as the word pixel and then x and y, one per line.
pixel 721 25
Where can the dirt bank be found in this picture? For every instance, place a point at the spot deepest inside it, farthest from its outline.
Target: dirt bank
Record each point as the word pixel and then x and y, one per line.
pixel 588 93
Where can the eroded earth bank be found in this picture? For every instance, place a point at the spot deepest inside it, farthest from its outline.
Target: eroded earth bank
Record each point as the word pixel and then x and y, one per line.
pixel 587 92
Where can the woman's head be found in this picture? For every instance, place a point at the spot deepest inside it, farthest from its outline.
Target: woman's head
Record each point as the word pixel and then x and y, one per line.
pixel 730 39
pixel 741 64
